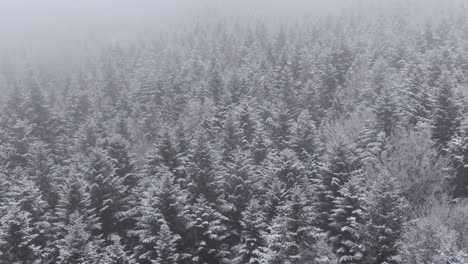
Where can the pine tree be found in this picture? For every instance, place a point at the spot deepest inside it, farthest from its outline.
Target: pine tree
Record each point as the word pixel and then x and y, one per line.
pixel 231 138
pixel 115 253
pixel 148 225
pixel 345 220
pixel 418 103
pixel 41 170
pixel 74 199
pixel 281 128
pixel 246 125
pixel 370 144
pixel 108 194
pixel 254 227
pixel 274 194
pixel 260 146
pixel 121 161
pixel 386 113
pixel 16 141
pixel 203 176
pixel 286 167
pixel 168 152
pixel 111 88
pixel 166 246
pixel 28 198
pixel 216 86
pixel 238 178
pixel 341 165
pixel 207 233
pixel 384 215
pixel 446 116
pixel 458 149
pixel 170 199
pixel 77 246
pixel 304 138
pixel 17 236
pixel 235 88
pixel 293 233
pixel 78 106
pixel 37 112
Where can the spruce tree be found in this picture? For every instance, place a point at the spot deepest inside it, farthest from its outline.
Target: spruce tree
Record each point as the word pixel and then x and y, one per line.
pixel 77 246
pixel 148 225
pixel 252 244
pixel 203 174
pixel 386 112
pixel 207 233
pixel 166 246
pixel 384 217
pixel 293 234
pixel 345 219
pixel 17 236
pixel 446 117
pixel 342 163
pixel 108 193
pixel 458 150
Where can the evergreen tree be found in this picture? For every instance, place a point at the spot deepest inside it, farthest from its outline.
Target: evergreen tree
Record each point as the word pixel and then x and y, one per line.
pixel 254 227
pixel 216 86
pixel 148 225
pixel 166 246
pixel 293 233
pixel 384 215
pixel 170 199
pixel 345 218
pixel 418 108
pixel 115 253
pixel 108 194
pixel 121 161
pixel 286 167
pixel 28 198
pixel 274 194
pixel 74 199
pixel 246 125
pixel 231 138
pixel 304 139
pixel 78 107
pixel 168 152
pixel 341 165
pixel 41 169
pixel 77 246
pixel 458 149
pixel 446 116
pixel 281 128
pixel 37 112
pixel 238 178
pixel 260 147
pixel 207 233
pixel 386 113
pixel 17 236
pixel 203 174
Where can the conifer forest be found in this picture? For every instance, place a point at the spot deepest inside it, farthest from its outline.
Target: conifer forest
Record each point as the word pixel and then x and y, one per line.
pixel 328 134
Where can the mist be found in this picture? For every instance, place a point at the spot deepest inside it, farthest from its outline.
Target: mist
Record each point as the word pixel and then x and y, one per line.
pixel 233 131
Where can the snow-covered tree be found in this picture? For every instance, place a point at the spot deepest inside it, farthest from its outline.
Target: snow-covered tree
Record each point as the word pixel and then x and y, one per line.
pixel 292 235
pixel 207 233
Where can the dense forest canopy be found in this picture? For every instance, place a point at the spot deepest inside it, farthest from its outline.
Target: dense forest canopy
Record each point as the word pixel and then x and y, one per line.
pixel 221 132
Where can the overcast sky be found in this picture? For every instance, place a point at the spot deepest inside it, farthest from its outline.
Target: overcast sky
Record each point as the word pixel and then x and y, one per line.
pixel 58 24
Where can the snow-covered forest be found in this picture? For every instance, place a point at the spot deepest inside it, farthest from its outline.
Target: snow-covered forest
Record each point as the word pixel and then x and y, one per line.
pixel 334 138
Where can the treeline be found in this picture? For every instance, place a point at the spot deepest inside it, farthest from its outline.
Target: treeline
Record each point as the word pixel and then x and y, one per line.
pixel 344 140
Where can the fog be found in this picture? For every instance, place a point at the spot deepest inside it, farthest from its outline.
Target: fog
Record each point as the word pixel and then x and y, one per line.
pixel 23 21
pixel 233 131
pixel 55 32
